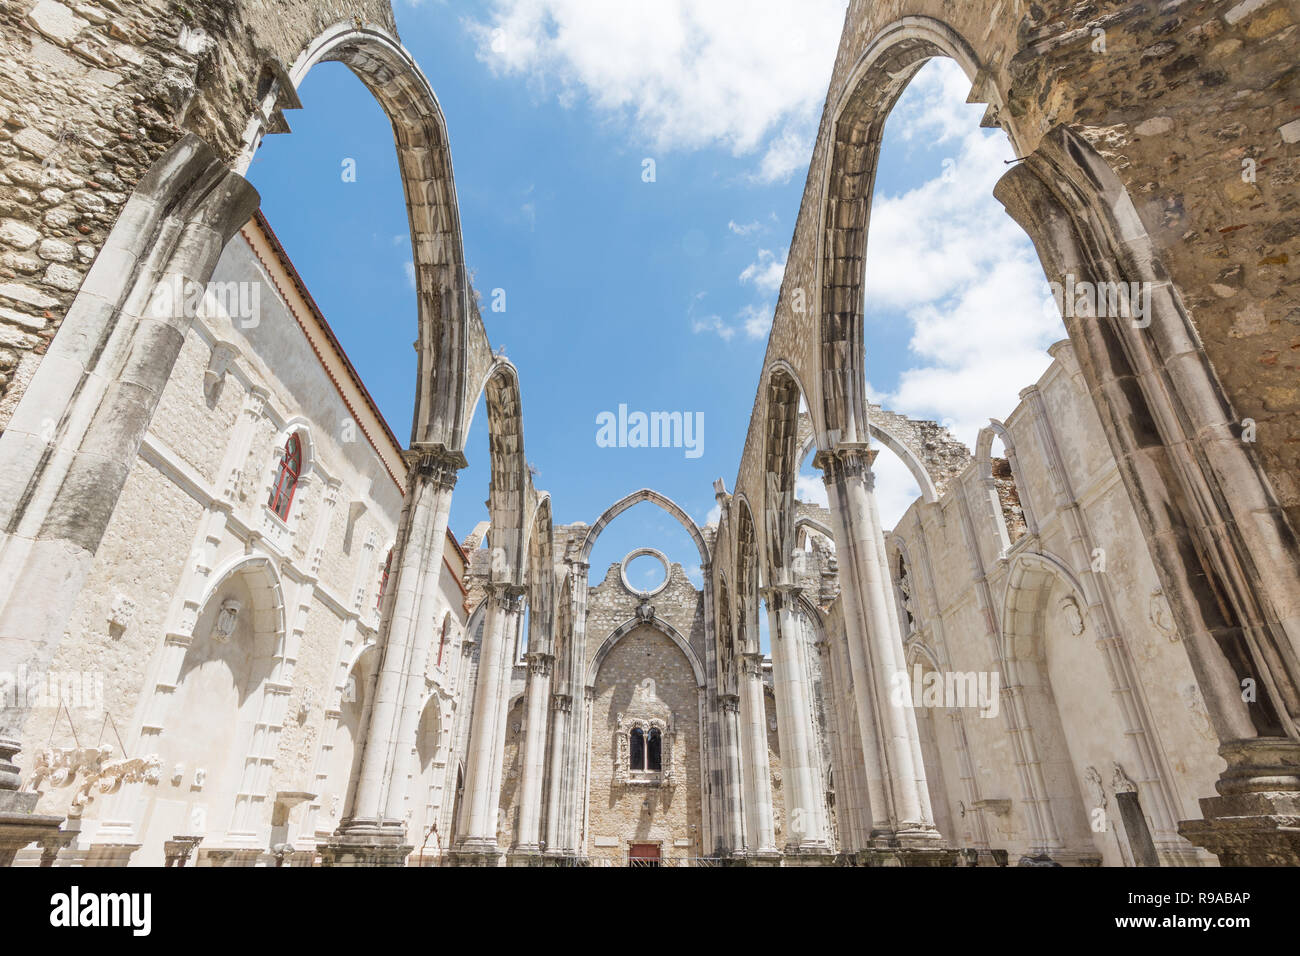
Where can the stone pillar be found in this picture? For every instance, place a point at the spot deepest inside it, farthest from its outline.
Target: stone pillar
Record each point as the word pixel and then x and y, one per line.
pixel 732 838
pixel 900 801
pixel 760 828
pixel 561 708
pixel 538 693
pixel 476 844
pixel 806 826
pixel 374 831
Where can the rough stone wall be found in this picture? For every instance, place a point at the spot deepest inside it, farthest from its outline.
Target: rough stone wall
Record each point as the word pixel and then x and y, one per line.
pixel 644 813
pixel 774 758
pixel 1012 512
pixel 91 94
pixel 511 776
pixel 609 606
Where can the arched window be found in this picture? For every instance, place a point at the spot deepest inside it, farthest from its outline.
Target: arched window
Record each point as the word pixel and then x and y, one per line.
pixel 383 579
pixel 637 756
pixel 286 482
pixel 654 750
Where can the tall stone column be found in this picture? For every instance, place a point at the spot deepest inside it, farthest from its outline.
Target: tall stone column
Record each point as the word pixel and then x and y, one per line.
pixel 761 830
pixel 806 824
pixel 904 822
pixel 374 832
pixel 537 696
pixel 561 708
pixel 477 841
pixel 732 838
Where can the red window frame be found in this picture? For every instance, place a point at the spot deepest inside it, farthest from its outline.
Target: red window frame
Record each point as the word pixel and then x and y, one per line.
pixel 286 481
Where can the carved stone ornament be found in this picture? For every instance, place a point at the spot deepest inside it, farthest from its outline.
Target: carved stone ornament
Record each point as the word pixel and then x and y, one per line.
pixel 93 767
pixel 223 628
pixel 1120 782
pixel 1073 618
pixel 646 712
pixel 120 613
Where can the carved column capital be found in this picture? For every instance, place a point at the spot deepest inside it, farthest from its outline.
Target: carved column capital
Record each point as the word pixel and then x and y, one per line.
pixel 847 461
pixel 753 665
pixel 562 703
pixel 508 597
pixel 729 703
pixel 539 664
pixel 434 463
pixel 780 597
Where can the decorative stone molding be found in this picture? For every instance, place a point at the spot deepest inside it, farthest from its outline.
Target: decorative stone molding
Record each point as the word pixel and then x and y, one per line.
pixel 647 712
pixel 214 376
pixel 223 628
pixel 94 768
pixel 120 614
pixel 1073 618
pixel 847 461
pixel 434 463
pixel 1120 782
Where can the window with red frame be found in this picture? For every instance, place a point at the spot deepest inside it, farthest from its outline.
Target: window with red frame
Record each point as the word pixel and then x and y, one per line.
pixel 286 482
pixel 383 580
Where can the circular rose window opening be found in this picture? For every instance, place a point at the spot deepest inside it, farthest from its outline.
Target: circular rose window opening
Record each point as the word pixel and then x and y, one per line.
pixel 645 571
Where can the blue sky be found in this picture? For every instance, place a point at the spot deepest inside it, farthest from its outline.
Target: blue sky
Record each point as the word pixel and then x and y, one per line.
pixel 655 295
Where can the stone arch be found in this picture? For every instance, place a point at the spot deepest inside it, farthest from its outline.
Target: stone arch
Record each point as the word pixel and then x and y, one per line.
pixel 106 368
pixel 1057 815
pixel 875 83
pixel 655 498
pixel 697 668
pixel 1207 509
pixel 746 568
pixel 984 459
pixel 213 702
pixel 780 467
pixel 446 336
pixel 539 573
pixel 728 678
pixel 510 486
pixel 882 433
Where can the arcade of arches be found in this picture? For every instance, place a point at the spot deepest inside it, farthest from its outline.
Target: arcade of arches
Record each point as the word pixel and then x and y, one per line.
pixel 229 636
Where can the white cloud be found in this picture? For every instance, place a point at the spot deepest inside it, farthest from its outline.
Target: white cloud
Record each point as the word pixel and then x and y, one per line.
pixel 410 272
pixel 812 490
pixel 747 75
pixel 744 229
pixel 757 320
pixel 896 489
pixel 765 272
pixel 947 256
pixel 785 154
pixel 713 323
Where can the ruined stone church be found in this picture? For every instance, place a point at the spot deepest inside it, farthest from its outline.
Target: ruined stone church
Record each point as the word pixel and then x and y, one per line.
pixel 236 630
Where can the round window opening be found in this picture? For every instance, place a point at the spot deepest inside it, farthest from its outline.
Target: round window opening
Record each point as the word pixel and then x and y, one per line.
pixel 645 572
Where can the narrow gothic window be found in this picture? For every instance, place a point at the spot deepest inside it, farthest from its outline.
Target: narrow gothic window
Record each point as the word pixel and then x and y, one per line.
pixel 654 749
pixel 637 758
pixel 286 482
pixel 383 579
